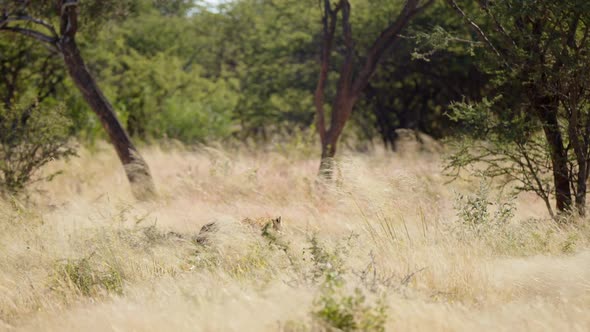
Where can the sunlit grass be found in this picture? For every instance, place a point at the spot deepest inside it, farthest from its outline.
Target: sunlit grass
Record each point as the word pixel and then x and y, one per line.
pixel 382 248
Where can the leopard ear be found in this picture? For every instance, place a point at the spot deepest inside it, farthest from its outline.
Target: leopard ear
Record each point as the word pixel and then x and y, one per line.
pixel 276 223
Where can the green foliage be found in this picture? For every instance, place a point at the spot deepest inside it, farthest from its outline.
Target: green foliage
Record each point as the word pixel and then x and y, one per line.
pixel 348 312
pixel 271 48
pixel 488 221
pixel 429 68
pixel 326 265
pixel 155 87
pixel 535 120
pixel 93 13
pixel 247 69
pixel 89 279
pixel 569 245
pixel 30 137
pixel 478 215
pixel 476 116
pixel 28 71
pixel 506 146
pixel 335 308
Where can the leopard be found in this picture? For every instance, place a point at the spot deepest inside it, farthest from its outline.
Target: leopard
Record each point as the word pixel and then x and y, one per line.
pixel 263 223
pixel 268 228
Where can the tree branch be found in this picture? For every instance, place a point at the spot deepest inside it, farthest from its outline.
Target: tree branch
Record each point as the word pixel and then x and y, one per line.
pixel 573 29
pixel 484 4
pixel 33 34
pixel 481 35
pixel 584 37
pixel 537 180
pixel 340 112
pixel 346 71
pixel 25 18
pixel 384 41
pixel 69 18
pixel 329 19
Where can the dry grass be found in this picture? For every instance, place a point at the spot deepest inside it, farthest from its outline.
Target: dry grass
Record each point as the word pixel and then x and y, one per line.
pixel 82 255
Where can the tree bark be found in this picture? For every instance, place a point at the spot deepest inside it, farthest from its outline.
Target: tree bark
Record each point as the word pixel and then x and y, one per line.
pixel 327 160
pixel 349 88
pixel 135 167
pixel 580 150
pixel 340 113
pixel 581 196
pixel 547 112
pixel 137 170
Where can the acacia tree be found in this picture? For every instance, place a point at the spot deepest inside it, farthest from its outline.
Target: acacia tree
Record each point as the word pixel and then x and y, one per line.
pixel 352 78
pixel 538 127
pixel 34 19
pixel 22 65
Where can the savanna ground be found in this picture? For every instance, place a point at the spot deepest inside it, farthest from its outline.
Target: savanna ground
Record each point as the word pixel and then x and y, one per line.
pixel 390 245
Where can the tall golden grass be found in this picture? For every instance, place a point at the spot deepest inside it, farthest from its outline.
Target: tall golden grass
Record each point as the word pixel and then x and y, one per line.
pixel 81 255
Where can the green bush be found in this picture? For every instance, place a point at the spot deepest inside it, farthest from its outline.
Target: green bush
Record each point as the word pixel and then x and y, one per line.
pixel 348 312
pixel 30 137
pixel 479 215
pixel 89 278
pixel 326 265
pixel 336 309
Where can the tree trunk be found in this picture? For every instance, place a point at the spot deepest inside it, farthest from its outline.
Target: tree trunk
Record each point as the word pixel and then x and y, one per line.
pixel 136 168
pixel 580 147
pixel 340 114
pixel 581 199
pixel 563 196
pixel 581 187
pixel 348 88
pixel 327 161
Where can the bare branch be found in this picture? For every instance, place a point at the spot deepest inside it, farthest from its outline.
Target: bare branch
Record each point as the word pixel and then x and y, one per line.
pixel 387 38
pixel 47 40
pixel 25 18
pixel 482 36
pixel 541 192
pixel 582 42
pixel 421 8
pixel 484 4
pixel 571 37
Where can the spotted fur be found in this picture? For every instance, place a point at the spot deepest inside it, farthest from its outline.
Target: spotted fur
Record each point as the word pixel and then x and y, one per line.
pixel 264 224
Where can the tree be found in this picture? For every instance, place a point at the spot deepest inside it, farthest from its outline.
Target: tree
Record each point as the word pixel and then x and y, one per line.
pixel 269 48
pixel 30 137
pixel 33 19
pixel 155 69
pixel 352 79
pixel 27 71
pixel 413 87
pixel 539 122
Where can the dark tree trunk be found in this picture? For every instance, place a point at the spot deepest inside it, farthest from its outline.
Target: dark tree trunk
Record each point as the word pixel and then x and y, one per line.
pixel 327 161
pixel 385 125
pixel 581 197
pixel 579 142
pixel 340 114
pixel 563 195
pixel 547 112
pixel 136 168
